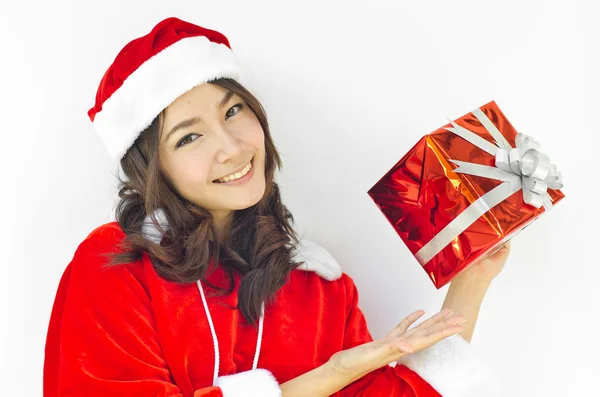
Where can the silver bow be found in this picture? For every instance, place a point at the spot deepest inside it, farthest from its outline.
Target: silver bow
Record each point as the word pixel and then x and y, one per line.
pixel 534 168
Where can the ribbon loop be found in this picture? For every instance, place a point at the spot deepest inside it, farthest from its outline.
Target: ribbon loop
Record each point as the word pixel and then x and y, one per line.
pixel 503 160
pixel 529 162
pixel 534 199
pixel 535 185
pixel 516 161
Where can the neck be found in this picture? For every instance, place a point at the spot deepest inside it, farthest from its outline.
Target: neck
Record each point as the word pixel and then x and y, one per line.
pixel 223 222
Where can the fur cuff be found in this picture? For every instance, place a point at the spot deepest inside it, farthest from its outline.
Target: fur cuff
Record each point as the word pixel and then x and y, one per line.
pixel 254 383
pixel 451 367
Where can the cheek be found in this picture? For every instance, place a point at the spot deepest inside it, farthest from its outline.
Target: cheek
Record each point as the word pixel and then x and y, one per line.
pixel 249 132
pixel 255 134
pixel 191 172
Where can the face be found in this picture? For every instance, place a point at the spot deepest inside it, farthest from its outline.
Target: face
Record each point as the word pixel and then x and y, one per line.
pixel 212 149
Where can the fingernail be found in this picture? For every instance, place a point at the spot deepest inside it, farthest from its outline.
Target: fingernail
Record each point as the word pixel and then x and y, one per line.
pixel 449 313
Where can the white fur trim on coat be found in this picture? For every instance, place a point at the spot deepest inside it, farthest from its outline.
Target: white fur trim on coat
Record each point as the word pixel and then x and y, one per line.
pixel 155 84
pixel 254 383
pixel 317 259
pixel 452 368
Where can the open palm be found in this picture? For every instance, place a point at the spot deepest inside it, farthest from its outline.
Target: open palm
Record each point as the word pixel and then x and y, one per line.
pixel 362 359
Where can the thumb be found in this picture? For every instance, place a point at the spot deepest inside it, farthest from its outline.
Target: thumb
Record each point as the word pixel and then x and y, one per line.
pixel 394 348
pixel 403 346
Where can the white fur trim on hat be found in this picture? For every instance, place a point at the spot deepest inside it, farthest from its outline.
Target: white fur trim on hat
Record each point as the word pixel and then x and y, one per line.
pixel 254 383
pixel 156 84
pixel 452 368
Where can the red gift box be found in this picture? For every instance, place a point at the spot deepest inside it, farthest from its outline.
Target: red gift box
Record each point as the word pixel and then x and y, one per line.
pixel 465 190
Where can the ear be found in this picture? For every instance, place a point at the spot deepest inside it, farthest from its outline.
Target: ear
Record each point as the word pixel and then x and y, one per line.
pixel 317 259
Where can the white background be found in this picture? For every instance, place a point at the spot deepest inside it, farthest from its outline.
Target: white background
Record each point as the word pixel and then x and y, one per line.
pixel 348 90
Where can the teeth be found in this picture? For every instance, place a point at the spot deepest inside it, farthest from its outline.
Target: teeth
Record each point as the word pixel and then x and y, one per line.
pixel 237 175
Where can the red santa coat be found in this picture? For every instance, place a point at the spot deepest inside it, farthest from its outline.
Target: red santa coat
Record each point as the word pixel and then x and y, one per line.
pixel 125 331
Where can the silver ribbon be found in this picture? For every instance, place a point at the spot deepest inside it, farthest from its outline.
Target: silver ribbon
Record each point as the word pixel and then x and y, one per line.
pixel 523 168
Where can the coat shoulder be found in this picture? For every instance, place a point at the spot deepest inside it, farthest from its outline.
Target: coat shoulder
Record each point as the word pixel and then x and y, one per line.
pixel 93 257
pixel 311 283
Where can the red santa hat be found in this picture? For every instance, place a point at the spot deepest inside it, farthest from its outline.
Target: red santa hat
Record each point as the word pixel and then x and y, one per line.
pixel 152 71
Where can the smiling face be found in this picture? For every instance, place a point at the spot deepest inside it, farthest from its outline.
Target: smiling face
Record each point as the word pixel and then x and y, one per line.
pixel 212 149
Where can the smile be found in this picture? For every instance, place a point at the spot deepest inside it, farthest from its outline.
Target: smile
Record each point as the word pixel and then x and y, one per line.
pixel 237 175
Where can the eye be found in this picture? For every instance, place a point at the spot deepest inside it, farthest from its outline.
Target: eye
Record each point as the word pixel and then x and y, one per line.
pixel 184 141
pixel 229 113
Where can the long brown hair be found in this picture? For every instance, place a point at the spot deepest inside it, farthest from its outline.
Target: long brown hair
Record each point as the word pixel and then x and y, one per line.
pixel 259 245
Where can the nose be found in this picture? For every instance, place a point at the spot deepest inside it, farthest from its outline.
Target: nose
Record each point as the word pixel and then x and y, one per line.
pixel 230 147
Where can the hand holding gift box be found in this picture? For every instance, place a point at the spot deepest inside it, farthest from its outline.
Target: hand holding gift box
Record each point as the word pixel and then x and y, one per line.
pixel 466 189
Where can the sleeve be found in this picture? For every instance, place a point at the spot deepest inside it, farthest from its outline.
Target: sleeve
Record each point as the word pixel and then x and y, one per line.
pixel 448 368
pixel 102 339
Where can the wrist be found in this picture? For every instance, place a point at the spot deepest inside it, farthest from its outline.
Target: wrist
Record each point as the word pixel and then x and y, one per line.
pixel 335 369
pixel 470 281
pixel 322 381
pixel 465 297
pixel 466 294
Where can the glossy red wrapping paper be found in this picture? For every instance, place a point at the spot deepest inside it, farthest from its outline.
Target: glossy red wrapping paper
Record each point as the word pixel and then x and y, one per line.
pixel 422 194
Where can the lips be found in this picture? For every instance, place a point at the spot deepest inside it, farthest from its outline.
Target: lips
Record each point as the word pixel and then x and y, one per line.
pixel 251 162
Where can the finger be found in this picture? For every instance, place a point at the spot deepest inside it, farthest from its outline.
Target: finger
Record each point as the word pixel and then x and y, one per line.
pixel 445 332
pixel 504 250
pixel 405 323
pixel 449 321
pixel 423 341
pixel 434 319
pixel 499 252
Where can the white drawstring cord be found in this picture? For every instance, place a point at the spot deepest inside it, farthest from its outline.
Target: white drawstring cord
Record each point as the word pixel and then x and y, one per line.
pixel 212 331
pixel 216 341
pixel 260 332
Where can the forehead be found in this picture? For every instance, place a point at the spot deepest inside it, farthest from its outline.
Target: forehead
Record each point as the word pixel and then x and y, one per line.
pixel 202 95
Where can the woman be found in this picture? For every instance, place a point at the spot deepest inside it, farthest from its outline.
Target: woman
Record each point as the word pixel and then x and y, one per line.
pixel 196 289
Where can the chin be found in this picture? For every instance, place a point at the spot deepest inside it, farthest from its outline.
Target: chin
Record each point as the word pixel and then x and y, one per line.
pixel 242 198
pixel 249 202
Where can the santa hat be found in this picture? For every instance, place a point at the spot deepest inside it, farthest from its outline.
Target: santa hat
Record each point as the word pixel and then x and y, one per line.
pixel 152 71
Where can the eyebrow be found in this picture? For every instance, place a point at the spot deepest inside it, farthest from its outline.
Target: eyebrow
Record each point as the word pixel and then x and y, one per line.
pixel 194 120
